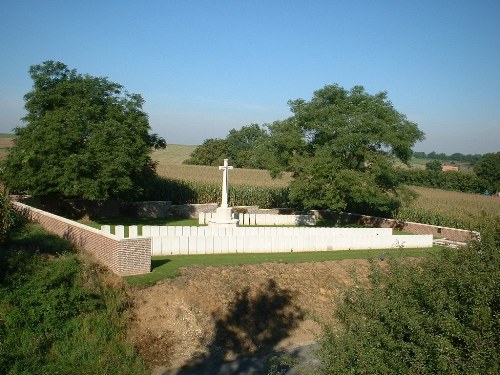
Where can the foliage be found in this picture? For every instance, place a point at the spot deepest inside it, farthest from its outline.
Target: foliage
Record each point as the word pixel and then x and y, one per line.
pixel 339 147
pixel 84 137
pixel 57 315
pixel 433 166
pixel 246 146
pixel 488 171
pixel 443 157
pixel 451 180
pixel 212 152
pixel 243 147
pixel 10 219
pixel 438 316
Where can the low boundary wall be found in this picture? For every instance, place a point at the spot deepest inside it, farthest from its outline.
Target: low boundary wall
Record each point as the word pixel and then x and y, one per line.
pixel 262 219
pixel 176 240
pixel 131 256
pixel 453 234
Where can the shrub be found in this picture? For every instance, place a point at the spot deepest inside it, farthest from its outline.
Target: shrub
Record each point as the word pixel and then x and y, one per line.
pixel 439 316
pixel 10 219
pixel 57 315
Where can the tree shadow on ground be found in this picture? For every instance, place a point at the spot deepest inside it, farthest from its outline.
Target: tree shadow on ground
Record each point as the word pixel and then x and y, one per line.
pixel 23 246
pixel 246 337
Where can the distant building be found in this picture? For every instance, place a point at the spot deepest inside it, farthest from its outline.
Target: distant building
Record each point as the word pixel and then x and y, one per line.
pixel 447 168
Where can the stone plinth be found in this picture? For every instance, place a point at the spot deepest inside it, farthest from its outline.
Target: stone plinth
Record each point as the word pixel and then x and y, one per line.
pixel 223 218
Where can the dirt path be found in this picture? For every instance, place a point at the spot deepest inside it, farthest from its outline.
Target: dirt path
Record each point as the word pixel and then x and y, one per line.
pixel 220 313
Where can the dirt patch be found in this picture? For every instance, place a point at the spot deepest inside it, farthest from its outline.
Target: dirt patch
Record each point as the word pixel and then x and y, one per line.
pixel 223 312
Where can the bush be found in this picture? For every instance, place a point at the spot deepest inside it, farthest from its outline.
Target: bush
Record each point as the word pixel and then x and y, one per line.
pixel 10 219
pixel 440 316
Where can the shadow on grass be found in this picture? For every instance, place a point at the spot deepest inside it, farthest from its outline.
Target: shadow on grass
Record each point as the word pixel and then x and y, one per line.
pixel 246 337
pixel 23 246
pixel 34 240
pixel 155 263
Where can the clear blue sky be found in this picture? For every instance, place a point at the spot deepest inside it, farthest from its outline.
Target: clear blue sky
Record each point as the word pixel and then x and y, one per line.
pixel 205 67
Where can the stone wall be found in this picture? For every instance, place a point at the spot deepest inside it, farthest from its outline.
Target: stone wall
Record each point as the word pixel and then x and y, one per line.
pixel 452 234
pixel 122 256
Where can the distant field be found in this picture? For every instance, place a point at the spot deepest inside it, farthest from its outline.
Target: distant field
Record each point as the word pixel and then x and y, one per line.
pixel 5 143
pixel 451 208
pixel 173 154
pixel 238 176
pixel 170 166
pixel 418 163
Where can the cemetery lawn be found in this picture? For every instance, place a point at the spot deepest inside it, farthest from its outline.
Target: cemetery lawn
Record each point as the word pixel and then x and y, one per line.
pixel 166 267
pixel 97 222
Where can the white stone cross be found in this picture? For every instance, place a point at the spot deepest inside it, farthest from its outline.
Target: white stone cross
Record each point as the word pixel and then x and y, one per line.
pixel 225 182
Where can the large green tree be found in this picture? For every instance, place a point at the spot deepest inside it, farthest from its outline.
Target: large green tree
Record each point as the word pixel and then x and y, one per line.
pixel 340 147
pixel 212 152
pixel 487 170
pixel 245 148
pixel 84 136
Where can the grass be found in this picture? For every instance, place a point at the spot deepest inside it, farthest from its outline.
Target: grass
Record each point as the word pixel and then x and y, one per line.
pixel 59 312
pixel 97 222
pixel 164 267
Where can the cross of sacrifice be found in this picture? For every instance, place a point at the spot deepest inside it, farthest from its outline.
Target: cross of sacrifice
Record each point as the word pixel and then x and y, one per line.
pixel 225 182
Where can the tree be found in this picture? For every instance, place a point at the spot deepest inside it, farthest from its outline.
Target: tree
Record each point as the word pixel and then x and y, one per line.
pixel 340 147
pixel 212 152
pixel 433 166
pixel 84 137
pixel 245 148
pixel 487 170
pixel 436 316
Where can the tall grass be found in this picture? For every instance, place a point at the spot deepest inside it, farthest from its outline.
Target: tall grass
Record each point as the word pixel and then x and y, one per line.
pixel 59 314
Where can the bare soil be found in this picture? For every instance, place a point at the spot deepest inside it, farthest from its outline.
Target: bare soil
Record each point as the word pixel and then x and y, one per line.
pixel 219 313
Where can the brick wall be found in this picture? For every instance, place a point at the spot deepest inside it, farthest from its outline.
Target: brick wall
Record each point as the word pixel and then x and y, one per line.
pixel 123 257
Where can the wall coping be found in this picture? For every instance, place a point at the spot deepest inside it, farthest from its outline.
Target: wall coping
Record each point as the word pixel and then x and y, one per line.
pixel 66 221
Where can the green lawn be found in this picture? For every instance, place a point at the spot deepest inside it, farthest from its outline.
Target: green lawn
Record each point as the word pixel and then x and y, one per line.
pixel 164 267
pixel 97 222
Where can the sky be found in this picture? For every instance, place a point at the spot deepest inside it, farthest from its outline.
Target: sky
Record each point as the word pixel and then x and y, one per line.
pixel 205 67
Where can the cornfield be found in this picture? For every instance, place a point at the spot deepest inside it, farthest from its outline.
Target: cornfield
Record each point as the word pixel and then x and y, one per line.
pixel 450 209
pixel 237 176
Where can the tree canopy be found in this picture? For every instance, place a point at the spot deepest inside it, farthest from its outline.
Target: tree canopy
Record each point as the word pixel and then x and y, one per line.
pixel 488 171
pixel 84 136
pixel 340 147
pixel 244 148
